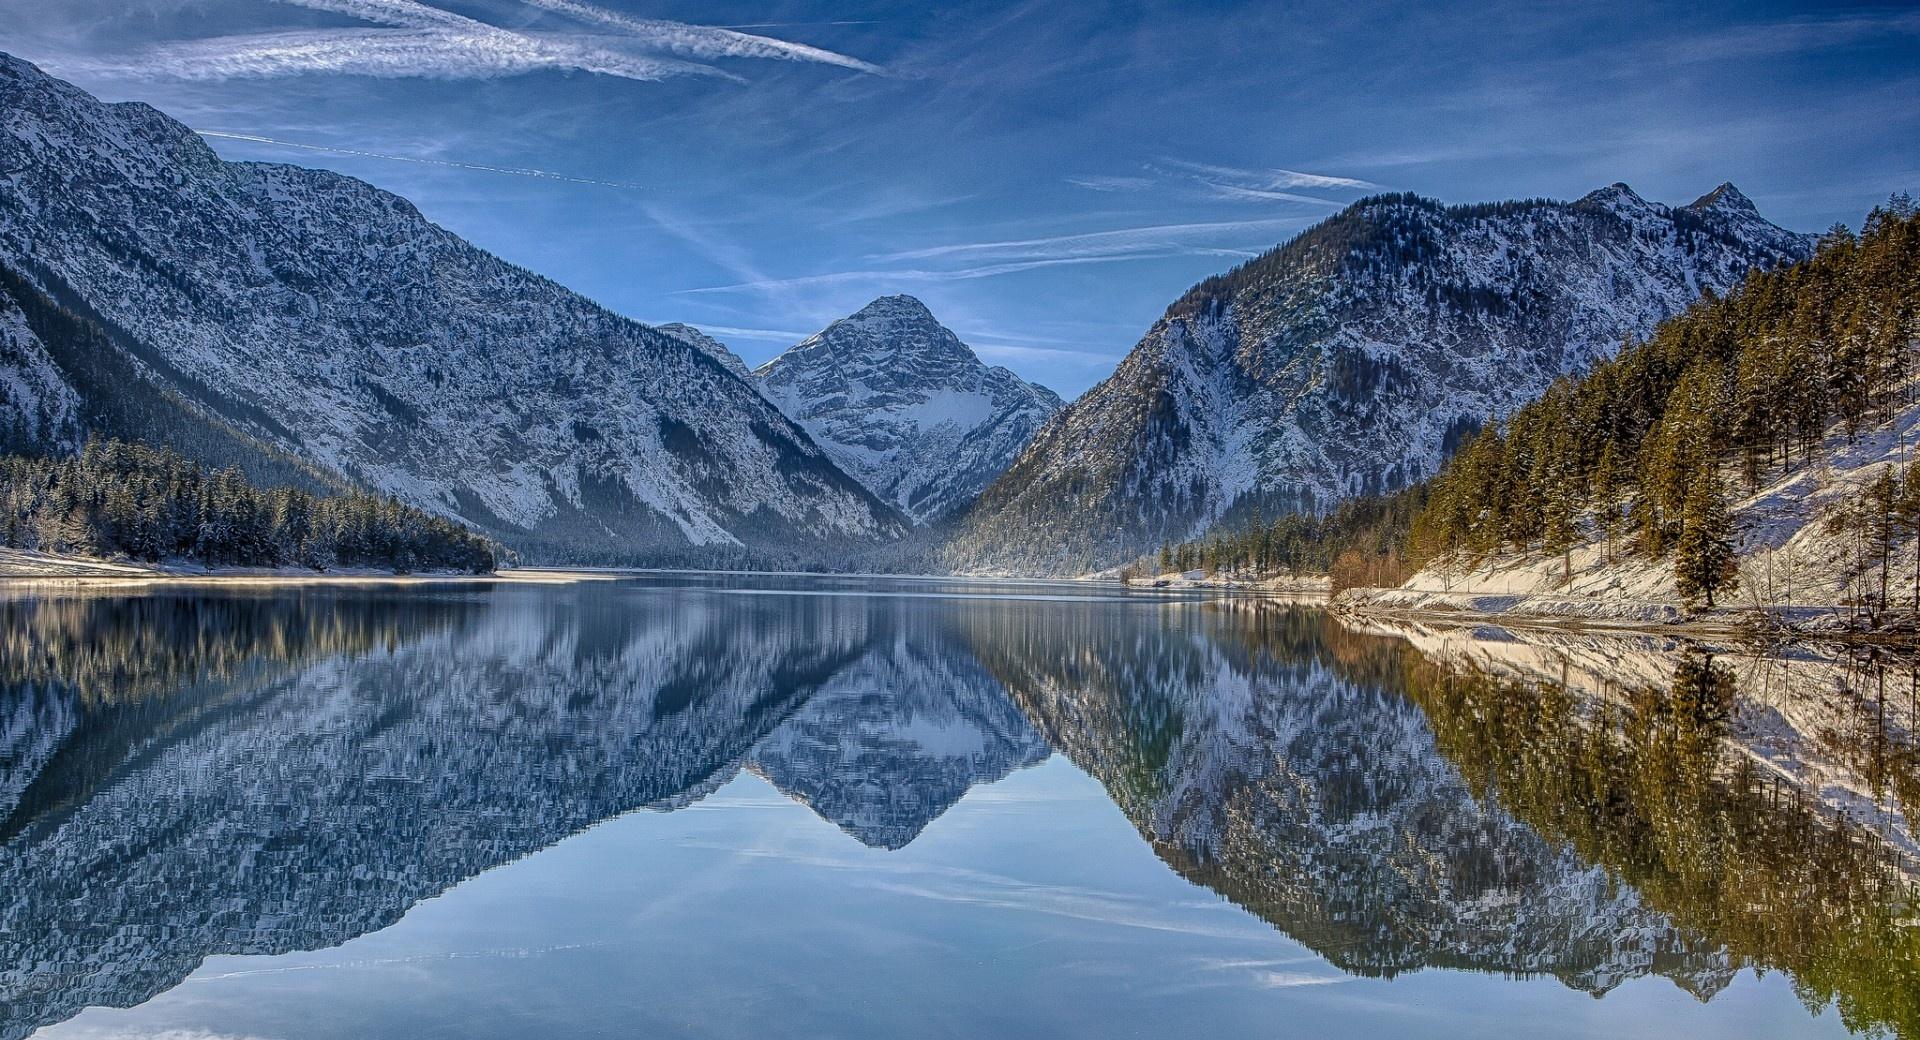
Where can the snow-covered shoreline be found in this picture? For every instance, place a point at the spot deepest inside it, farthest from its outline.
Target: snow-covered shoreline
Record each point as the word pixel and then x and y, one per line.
pixel 22 568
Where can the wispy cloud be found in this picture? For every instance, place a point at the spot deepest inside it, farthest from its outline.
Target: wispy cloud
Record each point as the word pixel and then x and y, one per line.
pixel 1101 182
pixel 700 41
pixel 1263 180
pixel 403 13
pixel 770 335
pixel 414 39
pixel 1792 36
pixel 1233 183
pixel 515 171
pixel 1010 352
pixel 1116 243
pixel 974 260
pixel 396 53
pixel 898 276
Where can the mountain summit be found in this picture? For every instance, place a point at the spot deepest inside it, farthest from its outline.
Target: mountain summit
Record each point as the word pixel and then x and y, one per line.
pixel 903 406
pixel 1350 360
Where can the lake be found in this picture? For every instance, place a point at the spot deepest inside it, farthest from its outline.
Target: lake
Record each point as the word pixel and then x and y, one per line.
pixel 806 807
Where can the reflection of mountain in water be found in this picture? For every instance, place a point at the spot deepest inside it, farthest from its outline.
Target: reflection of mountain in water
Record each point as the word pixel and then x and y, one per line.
pixel 1766 800
pixel 1394 811
pixel 1260 766
pixel 313 779
pixel 185 775
pixel 887 745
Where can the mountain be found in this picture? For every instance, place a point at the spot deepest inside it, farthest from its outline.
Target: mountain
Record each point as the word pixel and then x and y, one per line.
pixel 306 314
pixel 906 408
pixel 1353 359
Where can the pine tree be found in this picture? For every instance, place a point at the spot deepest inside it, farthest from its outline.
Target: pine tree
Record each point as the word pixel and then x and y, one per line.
pixel 1908 514
pixel 1703 554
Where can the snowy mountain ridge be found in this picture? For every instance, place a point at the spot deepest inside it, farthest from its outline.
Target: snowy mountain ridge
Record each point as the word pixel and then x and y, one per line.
pixel 1353 359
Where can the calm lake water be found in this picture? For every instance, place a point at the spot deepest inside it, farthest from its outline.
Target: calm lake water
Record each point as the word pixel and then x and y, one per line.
pixel 706 807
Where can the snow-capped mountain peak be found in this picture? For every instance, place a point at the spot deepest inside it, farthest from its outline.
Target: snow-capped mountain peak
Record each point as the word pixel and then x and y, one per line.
pixel 1618 196
pixel 898 401
pixel 1725 199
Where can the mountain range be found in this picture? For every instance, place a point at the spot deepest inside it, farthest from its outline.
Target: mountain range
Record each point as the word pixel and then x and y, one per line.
pixel 314 330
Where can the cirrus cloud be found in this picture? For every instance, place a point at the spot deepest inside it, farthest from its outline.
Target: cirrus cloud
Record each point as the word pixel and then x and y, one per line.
pixel 413 39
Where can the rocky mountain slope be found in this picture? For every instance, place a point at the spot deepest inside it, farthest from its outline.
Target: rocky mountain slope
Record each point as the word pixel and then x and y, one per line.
pixel 713 348
pixel 906 408
pixel 325 319
pixel 1353 359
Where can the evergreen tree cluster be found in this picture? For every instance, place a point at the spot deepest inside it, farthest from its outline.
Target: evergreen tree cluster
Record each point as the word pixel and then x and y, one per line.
pixel 120 499
pixel 1360 542
pixel 1642 450
pixel 1642 445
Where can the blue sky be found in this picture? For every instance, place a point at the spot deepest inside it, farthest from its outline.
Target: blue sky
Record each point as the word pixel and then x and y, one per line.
pixel 1048 176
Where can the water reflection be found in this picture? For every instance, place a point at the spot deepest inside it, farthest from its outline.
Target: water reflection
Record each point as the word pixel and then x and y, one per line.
pixel 187 775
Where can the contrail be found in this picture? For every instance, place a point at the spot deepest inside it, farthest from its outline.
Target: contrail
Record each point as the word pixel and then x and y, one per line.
pixel 701 41
pixel 515 171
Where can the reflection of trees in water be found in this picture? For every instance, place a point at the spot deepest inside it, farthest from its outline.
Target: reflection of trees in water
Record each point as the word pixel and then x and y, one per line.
pixel 1877 731
pixel 1266 756
pixel 1646 785
pixel 1255 749
pixel 113 648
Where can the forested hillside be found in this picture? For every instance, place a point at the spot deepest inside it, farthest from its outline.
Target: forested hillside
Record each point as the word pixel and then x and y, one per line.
pixel 1353 360
pixel 1647 452
pixel 119 499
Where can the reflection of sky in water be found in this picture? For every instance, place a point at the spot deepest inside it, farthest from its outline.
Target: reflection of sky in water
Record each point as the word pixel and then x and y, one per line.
pixel 1032 908
pixel 881 826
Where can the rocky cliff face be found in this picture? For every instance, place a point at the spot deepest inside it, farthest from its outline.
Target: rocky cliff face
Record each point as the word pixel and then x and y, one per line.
pixel 330 321
pixel 1353 359
pixel 905 407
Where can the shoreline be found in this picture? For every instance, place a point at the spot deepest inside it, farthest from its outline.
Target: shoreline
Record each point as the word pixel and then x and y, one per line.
pixel 1817 622
pixel 20 569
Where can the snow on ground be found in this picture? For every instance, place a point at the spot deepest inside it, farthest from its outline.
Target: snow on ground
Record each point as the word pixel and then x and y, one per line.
pixel 24 568
pixel 1793 563
pixel 1800 712
pixel 1318 585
